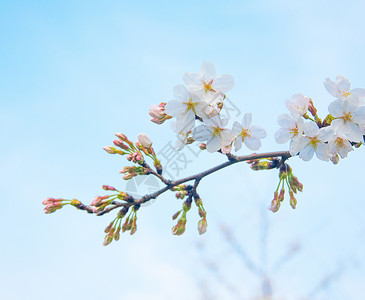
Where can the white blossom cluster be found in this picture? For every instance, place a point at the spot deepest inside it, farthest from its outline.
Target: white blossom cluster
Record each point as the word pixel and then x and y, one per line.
pixel 334 138
pixel 196 112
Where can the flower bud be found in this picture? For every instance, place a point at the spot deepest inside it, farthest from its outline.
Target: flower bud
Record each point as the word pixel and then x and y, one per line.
pixel 157 112
pixel 158 166
pixel 75 202
pixel 281 195
pixel 108 239
pixel 144 140
pixel 202 226
pixel 107 229
pixel 120 144
pixel 335 159
pixel 293 201
pixel 108 188
pixel 175 216
pixel 275 203
pixel 311 107
pixel 203 146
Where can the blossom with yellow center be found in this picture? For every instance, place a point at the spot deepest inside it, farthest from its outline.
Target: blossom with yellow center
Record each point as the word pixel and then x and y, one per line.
pixel 248 134
pixel 341 88
pixel 315 141
pixel 339 144
pixel 291 129
pixel 206 81
pixel 349 118
pixel 215 134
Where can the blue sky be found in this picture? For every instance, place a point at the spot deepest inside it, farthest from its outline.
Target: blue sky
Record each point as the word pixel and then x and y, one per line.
pixel 72 73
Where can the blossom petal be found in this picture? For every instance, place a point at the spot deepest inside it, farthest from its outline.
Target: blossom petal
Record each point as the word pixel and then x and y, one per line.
pixel 282 136
pixel 322 152
pixel 185 121
pixel 192 79
pixel 307 153
pixel 237 128
pixel 332 88
pixel 223 83
pixel 286 121
pixel 174 108
pixel 252 143
pixel 258 131
pixel 311 129
pixel 181 93
pixel 214 144
pixel 201 133
pixel 325 134
pixel 207 71
pixel 336 108
pixel 238 143
pixel 297 144
pixel 247 120
pixel 353 132
pixel 359 93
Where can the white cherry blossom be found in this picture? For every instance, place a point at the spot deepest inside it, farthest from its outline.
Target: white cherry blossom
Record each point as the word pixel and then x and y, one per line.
pixel 349 117
pixel 291 129
pixel 206 81
pixel 314 141
pixel 298 104
pixel 184 107
pixel 214 133
pixel 339 144
pixel 248 133
pixel 341 88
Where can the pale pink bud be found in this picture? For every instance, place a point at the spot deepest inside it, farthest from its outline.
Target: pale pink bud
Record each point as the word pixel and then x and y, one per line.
pixel 202 226
pixel 120 144
pixel 110 150
pixel 109 188
pixel 203 146
pixel 128 176
pixel 129 157
pixel 144 140
pixel 226 149
pixel 157 112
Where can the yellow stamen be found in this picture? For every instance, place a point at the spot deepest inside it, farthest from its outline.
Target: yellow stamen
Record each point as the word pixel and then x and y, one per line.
pixel 245 133
pixel 347 117
pixel 339 143
pixel 313 142
pixel 208 85
pixel 190 105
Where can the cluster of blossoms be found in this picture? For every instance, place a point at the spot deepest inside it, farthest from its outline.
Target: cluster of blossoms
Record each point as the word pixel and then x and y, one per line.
pixel 332 138
pixel 202 100
pixel 195 113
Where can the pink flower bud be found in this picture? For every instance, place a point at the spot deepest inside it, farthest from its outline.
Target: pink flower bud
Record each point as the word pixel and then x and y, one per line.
pixel 108 188
pixel 157 112
pixel 110 150
pixel 129 157
pixel 203 146
pixel 120 144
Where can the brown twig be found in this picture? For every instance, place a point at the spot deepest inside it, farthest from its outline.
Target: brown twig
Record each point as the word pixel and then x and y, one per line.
pixel 232 159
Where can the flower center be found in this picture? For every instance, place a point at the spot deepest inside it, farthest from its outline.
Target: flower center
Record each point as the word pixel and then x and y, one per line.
pixel 208 85
pixel 347 117
pixel 245 133
pixel 294 131
pixel 345 92
pixel 339 143
pixel 314 142
pixel 217 131
pixel 190 105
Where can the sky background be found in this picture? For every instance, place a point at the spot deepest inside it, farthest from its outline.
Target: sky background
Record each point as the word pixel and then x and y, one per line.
pixel 72 73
